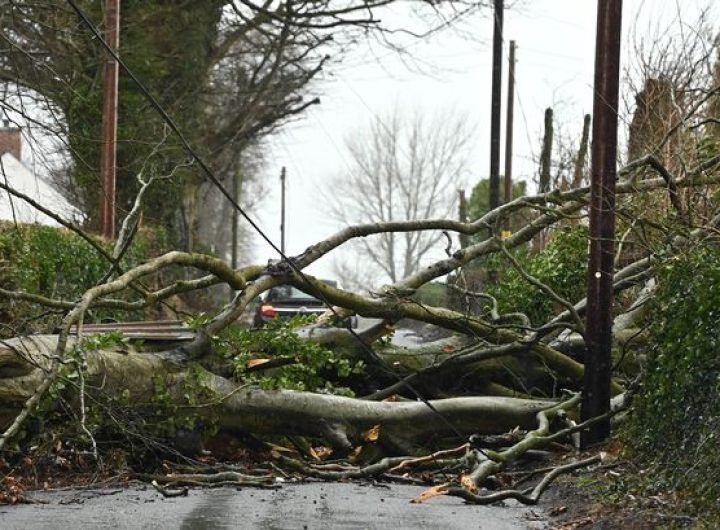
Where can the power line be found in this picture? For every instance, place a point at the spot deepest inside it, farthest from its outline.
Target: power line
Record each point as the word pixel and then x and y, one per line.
pixel 211 176
pixel 171 123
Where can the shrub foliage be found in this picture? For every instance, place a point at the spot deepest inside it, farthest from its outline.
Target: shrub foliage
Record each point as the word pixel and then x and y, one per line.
pixel 677 412
pixel 55 263
pixel 561 266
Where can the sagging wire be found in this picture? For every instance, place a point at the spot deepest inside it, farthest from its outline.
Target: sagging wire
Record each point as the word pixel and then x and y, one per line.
pixel 155 104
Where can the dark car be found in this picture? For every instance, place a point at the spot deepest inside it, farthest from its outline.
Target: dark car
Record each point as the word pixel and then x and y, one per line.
pixel 286 301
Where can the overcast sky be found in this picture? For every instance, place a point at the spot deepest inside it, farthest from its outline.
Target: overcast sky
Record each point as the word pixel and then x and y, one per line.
pixel 555 56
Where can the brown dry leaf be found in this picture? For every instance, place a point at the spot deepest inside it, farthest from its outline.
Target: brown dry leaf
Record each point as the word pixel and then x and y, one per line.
pixel 279 450
pixel 372 434
pixel 469 484
pixel 449 348
pixel 429 493
pixel 252 363
pixel 323 452
pixel 314 454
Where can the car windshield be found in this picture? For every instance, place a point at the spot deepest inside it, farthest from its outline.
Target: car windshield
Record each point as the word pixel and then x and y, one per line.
pixel 285 292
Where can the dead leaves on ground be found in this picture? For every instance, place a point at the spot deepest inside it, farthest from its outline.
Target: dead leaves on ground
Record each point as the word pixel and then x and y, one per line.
pixel 12 491
pixel 430 493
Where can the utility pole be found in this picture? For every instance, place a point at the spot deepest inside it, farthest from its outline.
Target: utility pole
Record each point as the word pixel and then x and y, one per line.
pixel 598 327
pixel 282 210
pixel 509 131
pixel 109 122
pixel 494 199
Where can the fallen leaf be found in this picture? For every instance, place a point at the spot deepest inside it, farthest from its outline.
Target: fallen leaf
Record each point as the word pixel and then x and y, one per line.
pixel 435 491
pixel 372 434
pixel 279 450
pixel 323 452
pixel 469 484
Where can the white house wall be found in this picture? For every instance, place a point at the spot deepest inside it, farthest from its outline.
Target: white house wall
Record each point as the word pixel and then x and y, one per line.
pixel 14 174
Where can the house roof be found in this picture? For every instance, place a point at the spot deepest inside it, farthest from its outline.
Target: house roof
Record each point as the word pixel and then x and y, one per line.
pixel 14 174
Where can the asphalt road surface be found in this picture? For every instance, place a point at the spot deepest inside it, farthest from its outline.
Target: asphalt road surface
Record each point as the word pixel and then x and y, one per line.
pixel 312 506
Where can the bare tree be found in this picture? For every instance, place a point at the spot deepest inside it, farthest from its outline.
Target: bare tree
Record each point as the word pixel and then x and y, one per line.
pixel 403 167
pixel 507 372
pixel 670 111
pixel 229 72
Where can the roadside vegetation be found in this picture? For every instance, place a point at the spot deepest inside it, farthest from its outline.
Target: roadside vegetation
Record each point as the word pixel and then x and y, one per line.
pixel 498 381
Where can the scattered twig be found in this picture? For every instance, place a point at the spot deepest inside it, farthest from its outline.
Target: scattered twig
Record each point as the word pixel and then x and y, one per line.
pixel 166 492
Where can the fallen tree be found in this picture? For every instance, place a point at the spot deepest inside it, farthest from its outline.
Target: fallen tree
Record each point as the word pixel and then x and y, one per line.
pixel 455 413
pixel 237 407
pixel 494 374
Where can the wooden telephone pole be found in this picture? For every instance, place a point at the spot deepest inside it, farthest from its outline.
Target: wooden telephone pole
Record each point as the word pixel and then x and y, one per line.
pixel 496 106
pixel 282 210
pixel 108 149
pixel 598 327
pixel 509 119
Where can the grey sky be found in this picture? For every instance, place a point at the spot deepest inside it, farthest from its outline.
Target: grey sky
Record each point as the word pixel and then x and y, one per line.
pixel 555 40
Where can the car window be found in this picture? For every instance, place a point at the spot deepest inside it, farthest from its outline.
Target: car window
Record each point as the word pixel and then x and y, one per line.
pixel 285 292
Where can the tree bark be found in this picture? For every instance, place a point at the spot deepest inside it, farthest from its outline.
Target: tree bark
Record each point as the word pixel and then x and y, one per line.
pixel 338 420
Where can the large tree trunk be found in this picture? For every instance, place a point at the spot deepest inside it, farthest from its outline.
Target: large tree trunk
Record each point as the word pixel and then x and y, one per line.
pixel 338 420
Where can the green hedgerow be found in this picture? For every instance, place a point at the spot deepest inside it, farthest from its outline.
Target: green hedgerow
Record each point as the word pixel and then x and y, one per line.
pixel 677 412
pixel 55 263
pixel 561 265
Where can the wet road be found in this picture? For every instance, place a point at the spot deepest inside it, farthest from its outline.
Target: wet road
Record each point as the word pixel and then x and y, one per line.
pixel 294 506
pixel 311 506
